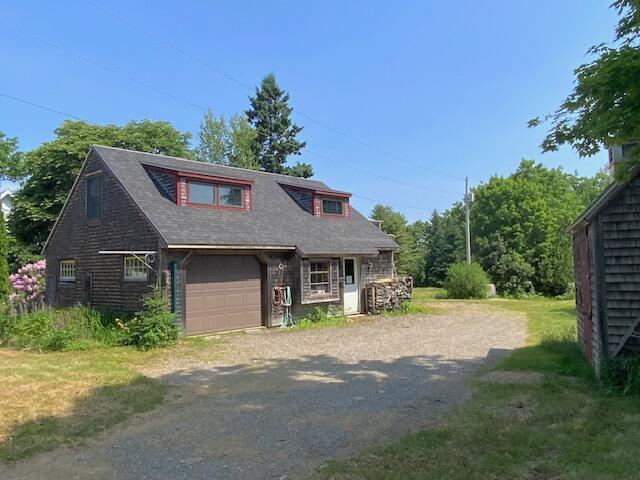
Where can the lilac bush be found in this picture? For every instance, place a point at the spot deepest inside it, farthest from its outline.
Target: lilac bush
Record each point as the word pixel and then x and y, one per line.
pixel 28 286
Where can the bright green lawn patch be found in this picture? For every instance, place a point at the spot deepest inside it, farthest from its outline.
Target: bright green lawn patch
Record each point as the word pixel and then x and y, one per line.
pixel 565 427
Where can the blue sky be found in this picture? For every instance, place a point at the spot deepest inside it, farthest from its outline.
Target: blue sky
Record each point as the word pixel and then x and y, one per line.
pixel 444 86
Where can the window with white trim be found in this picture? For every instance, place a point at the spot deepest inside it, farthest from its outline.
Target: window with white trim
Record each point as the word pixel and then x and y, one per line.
pixel 67 270
pixel 319 280
pixel 135 269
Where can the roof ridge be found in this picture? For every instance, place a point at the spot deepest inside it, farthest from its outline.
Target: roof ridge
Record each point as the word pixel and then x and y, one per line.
pixel 212 164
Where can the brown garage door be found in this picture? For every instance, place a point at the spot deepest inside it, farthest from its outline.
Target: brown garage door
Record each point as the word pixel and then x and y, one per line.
pixel 223 293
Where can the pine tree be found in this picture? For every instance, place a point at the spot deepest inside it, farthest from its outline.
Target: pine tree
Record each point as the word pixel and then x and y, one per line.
pixel 4 266
pixel 270 114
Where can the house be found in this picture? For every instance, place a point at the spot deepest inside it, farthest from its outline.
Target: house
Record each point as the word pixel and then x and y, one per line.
pixel 606 250
pixel 6 202
pixel 217 239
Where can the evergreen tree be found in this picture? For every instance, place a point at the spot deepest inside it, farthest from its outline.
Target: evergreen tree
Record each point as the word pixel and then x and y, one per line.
pixel 270 115
pixel 4 266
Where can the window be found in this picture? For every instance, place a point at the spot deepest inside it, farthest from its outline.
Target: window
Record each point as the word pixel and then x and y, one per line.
pixel 68 271
pixel 94 197
pixel 319 280
pixel 202 193
pixel 135 269
pixel 349 271
pixel 230 196
pixel 331 207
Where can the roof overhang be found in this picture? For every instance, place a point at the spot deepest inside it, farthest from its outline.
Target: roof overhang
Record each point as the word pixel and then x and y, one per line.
pixel 316 191
pixel 229 247
pixel 199 176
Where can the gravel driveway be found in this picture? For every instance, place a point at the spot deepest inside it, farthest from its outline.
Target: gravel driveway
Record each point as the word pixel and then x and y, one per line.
pixel 279 404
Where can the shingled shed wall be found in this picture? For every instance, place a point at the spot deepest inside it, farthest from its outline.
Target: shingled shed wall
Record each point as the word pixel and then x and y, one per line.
pixel 607 273
pixel 620 221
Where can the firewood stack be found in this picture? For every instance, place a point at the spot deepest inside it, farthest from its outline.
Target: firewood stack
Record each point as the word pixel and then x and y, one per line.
pixel 388 294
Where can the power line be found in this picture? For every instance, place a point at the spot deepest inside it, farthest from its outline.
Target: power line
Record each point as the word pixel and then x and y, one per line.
pixel 397 205
pixel 75 117
pixel 100 65
pixel 378 175
pixel 44 107
pixel 249 87
pixel 199 107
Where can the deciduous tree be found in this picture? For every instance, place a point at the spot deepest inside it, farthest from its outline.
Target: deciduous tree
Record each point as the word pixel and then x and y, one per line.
pixel 52 168
pixel 604 107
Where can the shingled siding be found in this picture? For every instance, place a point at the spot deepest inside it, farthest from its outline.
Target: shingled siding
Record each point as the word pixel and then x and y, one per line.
pixel 121 227
pixel 304 198
pixel 165 182
pixel 377 268
pixel 621 235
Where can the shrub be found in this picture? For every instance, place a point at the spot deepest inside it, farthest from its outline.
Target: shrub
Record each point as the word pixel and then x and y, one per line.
pixel 512 275
pixel 76 328
pixel 466 281
pixel 153 326
pixel 28 287
pixel 622 375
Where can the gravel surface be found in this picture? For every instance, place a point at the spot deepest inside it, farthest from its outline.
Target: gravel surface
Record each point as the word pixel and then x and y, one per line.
pixel 276 405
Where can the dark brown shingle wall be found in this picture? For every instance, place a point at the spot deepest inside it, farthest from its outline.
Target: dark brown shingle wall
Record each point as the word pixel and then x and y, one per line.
pixel 121 227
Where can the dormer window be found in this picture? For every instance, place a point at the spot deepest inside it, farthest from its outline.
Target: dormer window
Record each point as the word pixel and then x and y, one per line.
pixel 202 193
pixel 214 194
pixel 331 207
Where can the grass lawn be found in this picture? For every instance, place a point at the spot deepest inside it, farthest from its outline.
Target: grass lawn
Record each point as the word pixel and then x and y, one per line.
pixel 564 427
pixel 53 399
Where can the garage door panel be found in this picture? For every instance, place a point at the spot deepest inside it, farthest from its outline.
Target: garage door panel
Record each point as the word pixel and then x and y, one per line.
pixel 223 293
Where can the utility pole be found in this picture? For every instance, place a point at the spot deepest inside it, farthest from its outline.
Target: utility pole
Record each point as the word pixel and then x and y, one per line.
pixel 466 215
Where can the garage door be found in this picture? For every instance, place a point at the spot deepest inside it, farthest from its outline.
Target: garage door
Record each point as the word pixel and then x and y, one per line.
pixel 223 293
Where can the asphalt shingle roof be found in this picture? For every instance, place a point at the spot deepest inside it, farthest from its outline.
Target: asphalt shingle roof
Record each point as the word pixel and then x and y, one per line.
pixel 275 219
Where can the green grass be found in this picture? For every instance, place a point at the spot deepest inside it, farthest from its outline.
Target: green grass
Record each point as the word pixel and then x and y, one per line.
pixel 565 427
pixel 48 400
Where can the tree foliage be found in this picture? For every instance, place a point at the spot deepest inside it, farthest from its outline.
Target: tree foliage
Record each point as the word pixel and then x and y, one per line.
pixel 444 243
pixel 604 107
pixel 225 142
pixel 276 134
pixel 4 266
pixel 529 212
pixel 52 168
pixel 11 160
pixel 466 281
pixel 408 259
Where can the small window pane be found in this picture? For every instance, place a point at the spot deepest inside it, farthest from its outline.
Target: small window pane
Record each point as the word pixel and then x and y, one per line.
pixel 134 269
pixel 319 278
pixel 67 270
pixel 349 271
pixel 332 207
pixel 94 197
pixel 230 196
pixel 202 193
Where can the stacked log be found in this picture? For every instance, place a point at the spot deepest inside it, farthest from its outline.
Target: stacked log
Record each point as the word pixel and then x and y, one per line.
pixel 388 294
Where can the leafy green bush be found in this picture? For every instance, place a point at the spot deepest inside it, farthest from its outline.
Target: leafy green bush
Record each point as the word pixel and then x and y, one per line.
pixel 622 375
pixel 466 281
pixel 76 328
pixel 153 326
pixel 512 275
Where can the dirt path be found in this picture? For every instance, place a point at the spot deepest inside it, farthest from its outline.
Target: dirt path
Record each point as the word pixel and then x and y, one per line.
pixel 279 404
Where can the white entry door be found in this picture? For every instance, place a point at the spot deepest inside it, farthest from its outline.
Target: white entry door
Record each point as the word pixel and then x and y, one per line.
pixel 351 287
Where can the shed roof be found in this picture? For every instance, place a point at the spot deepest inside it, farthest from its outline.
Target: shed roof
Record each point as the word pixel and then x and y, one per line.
pixel 275 220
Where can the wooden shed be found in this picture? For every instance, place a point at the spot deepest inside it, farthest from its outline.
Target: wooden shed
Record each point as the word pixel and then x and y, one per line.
pixel 606 250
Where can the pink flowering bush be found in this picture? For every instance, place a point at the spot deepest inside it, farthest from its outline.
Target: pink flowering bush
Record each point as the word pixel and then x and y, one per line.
pixel 27 286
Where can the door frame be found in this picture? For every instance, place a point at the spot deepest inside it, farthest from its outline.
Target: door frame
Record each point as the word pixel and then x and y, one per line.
pixel 356 282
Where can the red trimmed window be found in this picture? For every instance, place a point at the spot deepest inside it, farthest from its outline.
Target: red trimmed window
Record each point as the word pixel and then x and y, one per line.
pixel 330 206
pixel 208 194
